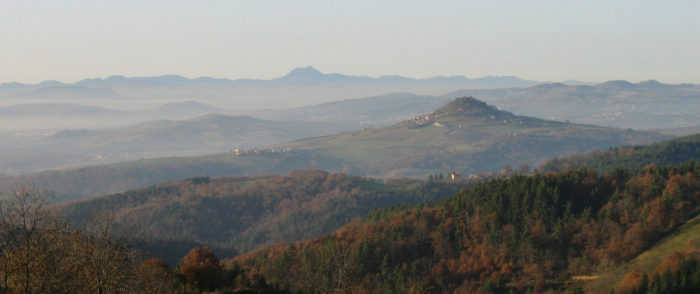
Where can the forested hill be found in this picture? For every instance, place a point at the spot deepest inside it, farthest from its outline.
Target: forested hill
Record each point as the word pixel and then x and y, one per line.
pixel 631 157
pixel 243 213
pixel 522 234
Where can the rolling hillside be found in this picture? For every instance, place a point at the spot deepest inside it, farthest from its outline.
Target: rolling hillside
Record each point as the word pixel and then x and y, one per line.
pixel 244 213
pixel 466 136
pixel 363 112
pixel 207 134
pixel 684 240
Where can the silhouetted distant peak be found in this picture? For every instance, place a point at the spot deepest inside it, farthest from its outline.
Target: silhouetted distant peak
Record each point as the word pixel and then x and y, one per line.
pixel 304 72
pixel 617 84
pixel 172 78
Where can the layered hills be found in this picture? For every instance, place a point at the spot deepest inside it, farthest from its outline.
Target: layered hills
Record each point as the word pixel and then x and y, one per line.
pixel 300 87
pixel 52 117
pixel 467 136
pixel 644 105
pixel 668 108
pixel 206 134
pixel 360 112
pixel 34 151
pixel 572 231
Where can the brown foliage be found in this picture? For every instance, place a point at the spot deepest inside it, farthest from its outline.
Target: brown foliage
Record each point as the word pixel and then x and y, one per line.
pixel 631 281
pixel 155 276
pixel 462 246
pixel 201 267
pixel 244 213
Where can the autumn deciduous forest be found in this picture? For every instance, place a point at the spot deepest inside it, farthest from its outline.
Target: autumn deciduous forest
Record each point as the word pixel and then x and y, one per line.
pixel 519 234
pixel 349 147
pixel 244 213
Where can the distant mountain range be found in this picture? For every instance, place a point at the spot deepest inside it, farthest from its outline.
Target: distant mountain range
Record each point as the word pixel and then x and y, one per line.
pixel 301 87
pixel 309 95
pixel 302 75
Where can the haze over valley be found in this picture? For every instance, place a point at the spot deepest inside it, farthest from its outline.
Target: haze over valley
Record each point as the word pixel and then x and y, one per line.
pixel 46 116
pixel 364 147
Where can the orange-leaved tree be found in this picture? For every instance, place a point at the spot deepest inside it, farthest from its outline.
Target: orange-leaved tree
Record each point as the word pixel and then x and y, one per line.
pixel 201 268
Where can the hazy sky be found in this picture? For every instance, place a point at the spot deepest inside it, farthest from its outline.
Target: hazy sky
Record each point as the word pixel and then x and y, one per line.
pixel 542 40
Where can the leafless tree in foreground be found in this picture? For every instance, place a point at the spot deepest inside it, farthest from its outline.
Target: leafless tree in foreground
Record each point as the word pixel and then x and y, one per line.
pixel 40 253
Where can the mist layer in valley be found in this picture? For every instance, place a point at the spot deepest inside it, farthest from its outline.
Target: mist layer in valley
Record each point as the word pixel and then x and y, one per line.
pixel 95 121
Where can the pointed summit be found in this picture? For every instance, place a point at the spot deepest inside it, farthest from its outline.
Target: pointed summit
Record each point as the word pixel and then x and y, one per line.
pixel 467 112
pixel 468 106
pixel 304 72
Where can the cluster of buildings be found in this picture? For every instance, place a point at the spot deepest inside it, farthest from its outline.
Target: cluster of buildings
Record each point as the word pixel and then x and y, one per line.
pixel 257 151
pixel 422 120
pixel 455 176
